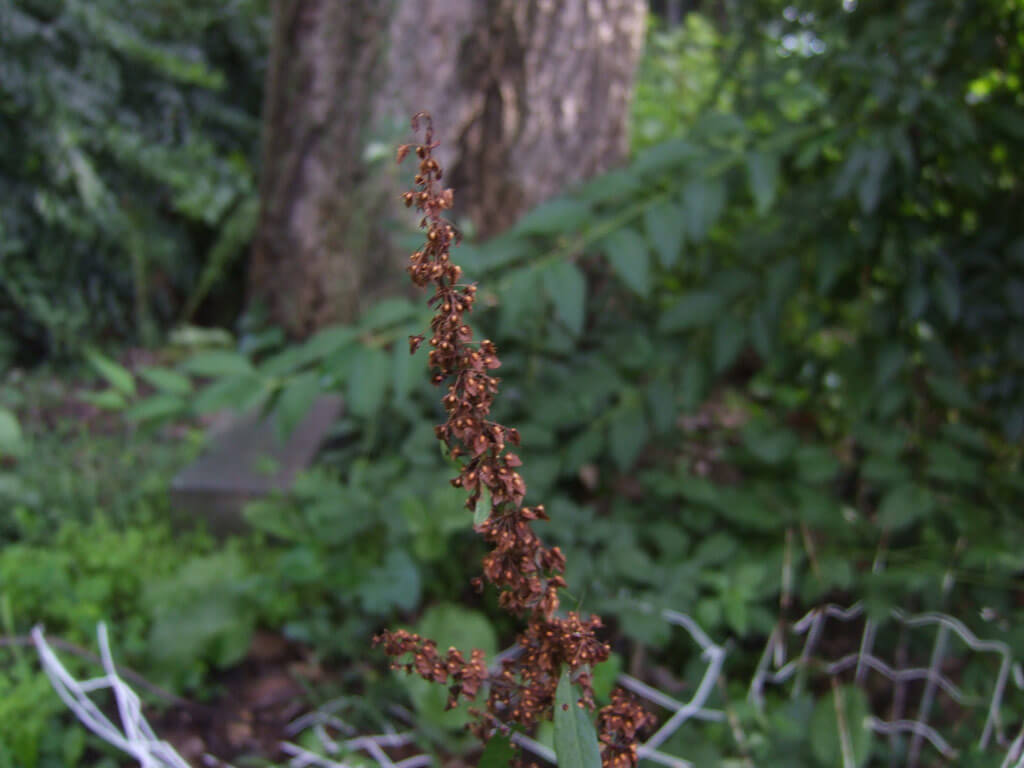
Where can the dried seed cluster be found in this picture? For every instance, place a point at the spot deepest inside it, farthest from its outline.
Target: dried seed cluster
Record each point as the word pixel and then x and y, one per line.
pixel 527 573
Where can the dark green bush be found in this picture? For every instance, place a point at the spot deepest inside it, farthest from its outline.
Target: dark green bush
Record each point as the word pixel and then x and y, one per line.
pixel 791 333
pixel 126 154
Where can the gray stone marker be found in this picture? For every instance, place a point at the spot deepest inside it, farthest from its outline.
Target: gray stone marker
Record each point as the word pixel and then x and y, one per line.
pixel 246 460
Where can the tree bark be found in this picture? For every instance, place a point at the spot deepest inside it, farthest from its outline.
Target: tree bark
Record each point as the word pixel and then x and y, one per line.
pixel 326 59
pixel 528 96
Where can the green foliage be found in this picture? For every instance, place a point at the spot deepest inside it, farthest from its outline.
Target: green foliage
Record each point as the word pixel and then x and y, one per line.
pixel 450 625
pixel 575 737
pixel 787 332
pixel 839 732
pixel 125 162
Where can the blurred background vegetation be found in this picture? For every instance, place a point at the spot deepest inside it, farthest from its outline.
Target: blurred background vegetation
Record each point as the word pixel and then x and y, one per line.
pixel 769 358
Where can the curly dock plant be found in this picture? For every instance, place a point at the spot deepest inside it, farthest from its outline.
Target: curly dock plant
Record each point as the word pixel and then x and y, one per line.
pixel 557 650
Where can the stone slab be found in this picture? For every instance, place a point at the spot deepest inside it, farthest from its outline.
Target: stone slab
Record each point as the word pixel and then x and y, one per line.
pixel 246 460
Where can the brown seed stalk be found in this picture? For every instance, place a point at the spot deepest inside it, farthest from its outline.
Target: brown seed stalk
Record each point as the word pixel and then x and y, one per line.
pixel 527 573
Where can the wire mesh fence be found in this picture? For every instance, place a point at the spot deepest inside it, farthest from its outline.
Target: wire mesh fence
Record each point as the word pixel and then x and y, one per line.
pixel 921 696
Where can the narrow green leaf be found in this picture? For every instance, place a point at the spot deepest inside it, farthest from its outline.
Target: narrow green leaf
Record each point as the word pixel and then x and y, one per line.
pixel 387 313
pixel 691 311
pixel 553 217
pixel 615 185
pixel 499 752
pixel 108 400
pixel 627 433
pixel 661 402
pixel 328 342
pixel 769 445
pixel 763 174
pixel 115 374
pixel 728 341
pixel 11 440
pixel 295 401
pixel 217 363
pixel 517 296
pixel 566 286
pixel 605 676
pixel 231 392
pixel 575 739
pixel 407 370
pixel 903 505
pixel 869 191
pixel 367 383
pixel 839 730
pixel 666 156
pixel 627 252
pixel 666 229
pixel 950 391
pixel 947 295
pixel 482 510
pixel 694 382
pixel 703 200
pixel 159 406
pixel 166 380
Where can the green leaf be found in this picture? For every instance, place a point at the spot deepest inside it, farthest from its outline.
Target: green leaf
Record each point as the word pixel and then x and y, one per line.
pixel 166 380
pixel 840 725
pixel 327 343
pixel 387 313
pixel 407 370
pixel 605 676
pixel 295 401
pixel 620 184
pixel 694 382
pixel 666 156
pixel 661 402
pixel 627 252
pixel 728 341
pixel 583 448
pixel 517 297
pixel 108 400
pixel 367 383
pixel 666 229
pixel 870 188
pixel 816 464
pixel 449 625
pixel 233 392
pixel 566 286
pixel 691 311
pixel 160 406
pixel 627 433
pixel 11 440
pixel 482 510
pixel 499 752
pixel 575 739
pixel 217 363
pixel 946 462
pixel 772 446
pixel 393 584
pixel 115 374
pixel 947 295
pixel 553 217
pixel 703 200
pixel 763 174
pixel 903 505
pixel 950 391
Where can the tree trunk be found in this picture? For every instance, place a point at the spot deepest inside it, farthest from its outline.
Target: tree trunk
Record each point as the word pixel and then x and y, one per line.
pixel 326 60
pixel 529 96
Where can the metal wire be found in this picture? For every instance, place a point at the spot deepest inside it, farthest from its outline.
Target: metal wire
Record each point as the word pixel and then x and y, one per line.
pixel 136 738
